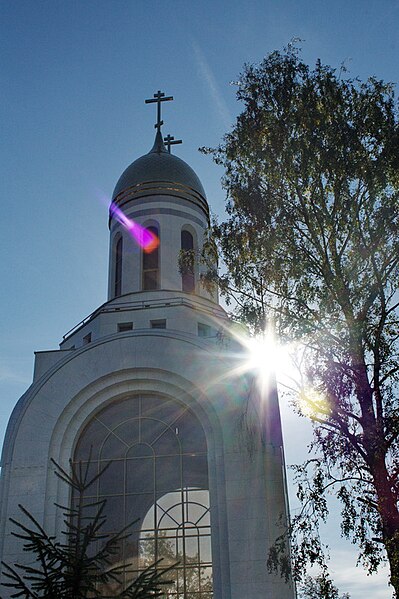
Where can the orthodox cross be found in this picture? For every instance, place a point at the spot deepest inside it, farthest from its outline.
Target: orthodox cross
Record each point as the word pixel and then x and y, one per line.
pixel 169 140
pixel 158 98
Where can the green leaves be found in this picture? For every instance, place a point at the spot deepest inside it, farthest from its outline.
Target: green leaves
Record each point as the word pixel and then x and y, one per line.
pixel 320 587
pixel 312 239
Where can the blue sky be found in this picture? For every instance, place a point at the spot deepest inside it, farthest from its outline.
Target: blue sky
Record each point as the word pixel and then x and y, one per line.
pixel 74 76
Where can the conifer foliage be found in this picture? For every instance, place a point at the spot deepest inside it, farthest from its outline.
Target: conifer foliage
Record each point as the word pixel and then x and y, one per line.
pixel 80 565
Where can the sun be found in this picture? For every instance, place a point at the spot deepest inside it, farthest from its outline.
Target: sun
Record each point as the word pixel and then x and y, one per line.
pixel 261 352
pixel 269 360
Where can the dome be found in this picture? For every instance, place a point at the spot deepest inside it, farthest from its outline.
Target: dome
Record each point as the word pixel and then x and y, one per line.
pixel 158 166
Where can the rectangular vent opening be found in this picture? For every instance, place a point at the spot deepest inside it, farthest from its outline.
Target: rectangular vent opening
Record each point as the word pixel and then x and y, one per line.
pixel 204 330
pixel 87 339
pixel 125 326
pixel 158 324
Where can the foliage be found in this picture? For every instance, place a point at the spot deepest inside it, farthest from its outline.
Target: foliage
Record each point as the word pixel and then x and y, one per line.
pixel 312 239
pixel 187 259
pixel 189 574
pixel 320 587
pixel 80 566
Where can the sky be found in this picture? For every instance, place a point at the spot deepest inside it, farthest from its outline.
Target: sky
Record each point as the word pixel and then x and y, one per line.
pixel 74 77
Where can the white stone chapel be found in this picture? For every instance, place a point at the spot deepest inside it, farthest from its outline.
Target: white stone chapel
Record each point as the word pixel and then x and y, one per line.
pixel 148 382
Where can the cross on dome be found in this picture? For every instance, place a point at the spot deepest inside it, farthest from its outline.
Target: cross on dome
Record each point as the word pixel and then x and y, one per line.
pixel 169 140
pixel 158 98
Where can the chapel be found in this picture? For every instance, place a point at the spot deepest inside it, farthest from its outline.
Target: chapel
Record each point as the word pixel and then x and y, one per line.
pixel 151 383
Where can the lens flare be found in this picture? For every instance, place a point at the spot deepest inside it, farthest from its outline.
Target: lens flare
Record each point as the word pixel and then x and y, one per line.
pixel 266 358
pixel 313 403
pixel 146 239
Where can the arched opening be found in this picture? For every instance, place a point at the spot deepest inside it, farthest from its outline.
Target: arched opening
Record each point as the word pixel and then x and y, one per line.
pixel 118 268
pixel 151 264
pixel 187 271
pixel 158 474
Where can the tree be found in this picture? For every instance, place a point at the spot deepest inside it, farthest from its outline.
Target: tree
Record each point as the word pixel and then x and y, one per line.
pixel 320 587
pixel 311 238
pixel 190 577
pixel 80 565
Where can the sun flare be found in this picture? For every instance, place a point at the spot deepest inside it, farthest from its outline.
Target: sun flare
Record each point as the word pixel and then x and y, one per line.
pixel 269 360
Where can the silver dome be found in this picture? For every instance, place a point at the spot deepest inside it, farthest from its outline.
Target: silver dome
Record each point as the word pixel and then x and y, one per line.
pixel 158 166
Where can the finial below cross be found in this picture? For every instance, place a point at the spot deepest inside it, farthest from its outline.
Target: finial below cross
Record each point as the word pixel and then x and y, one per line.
pixel 158 98
pixel 169 140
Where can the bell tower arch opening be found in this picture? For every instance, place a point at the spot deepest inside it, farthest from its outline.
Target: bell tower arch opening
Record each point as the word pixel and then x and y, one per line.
pixel 118 267
pixel 187 274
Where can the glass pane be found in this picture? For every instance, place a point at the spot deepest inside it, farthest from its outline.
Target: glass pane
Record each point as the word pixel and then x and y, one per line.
pixel 206 581
pixel 191 434
pixel 151 429
pixel 161 408
pixel 130 549
pixel 170 512
pixel 191 546
pixel 146 552
pixel 150 259
pixel 113 447
pixel 137 506
pixel 90 441
pixel 168 474
pixel 187 242
pixel 199 496
pixel 188 282
pixel 128 431
pixel 114 414
pixel 115 514
pixel 205 549
pixel 150 279
pixel 111 481
pixel 166 547
pixel 140 475
pixel 195 471
pixel 192 580
pixel 140 450
pixel 166 443
pixel 118 268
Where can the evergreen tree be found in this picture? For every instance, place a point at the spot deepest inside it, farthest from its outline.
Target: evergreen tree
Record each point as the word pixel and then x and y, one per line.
pixel 80 565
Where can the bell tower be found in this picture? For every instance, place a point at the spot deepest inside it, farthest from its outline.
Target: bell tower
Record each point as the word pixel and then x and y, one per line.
pixel 157 192
pixel 153 382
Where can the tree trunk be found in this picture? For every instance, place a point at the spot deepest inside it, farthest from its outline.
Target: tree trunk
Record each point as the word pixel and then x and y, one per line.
pixel 388 510
pixel 392 549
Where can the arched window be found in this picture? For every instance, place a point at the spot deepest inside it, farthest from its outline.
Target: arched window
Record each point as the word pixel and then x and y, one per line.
pixel 187 272
pixel 118 268
pixel 158 473
pixel 151 264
